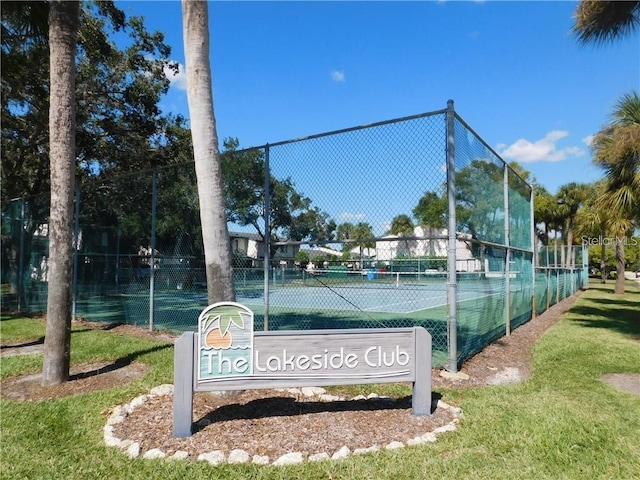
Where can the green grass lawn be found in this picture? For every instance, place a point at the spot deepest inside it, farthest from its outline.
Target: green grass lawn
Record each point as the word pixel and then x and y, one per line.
pixel 562 423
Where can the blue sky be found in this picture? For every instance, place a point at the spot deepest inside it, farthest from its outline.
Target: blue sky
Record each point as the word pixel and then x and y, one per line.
pixel 285 70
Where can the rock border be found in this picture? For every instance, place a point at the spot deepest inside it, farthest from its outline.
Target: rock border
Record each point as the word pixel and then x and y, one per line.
pixel 217 457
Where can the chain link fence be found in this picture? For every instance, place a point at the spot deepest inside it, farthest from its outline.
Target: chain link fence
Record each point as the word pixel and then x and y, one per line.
pixel 409 222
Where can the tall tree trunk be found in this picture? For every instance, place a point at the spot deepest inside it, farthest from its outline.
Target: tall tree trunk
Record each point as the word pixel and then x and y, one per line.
pixel 570 256
pixel 64 19
pixel 603 263
pixel 619 264
pixel 215 235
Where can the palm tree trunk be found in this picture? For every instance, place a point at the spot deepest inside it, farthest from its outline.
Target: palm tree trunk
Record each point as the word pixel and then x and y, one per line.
pixel 64 19
pixel 620 264
pixel 603 263
pixel 215 235
pixel 570 262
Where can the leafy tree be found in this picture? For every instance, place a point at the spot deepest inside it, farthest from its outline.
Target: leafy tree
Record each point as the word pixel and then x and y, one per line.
pixel 118 124
pixel 603 257
pixel 217 246
pixel 63 30
pixel 431 214
pixel 599 21
pixel 480 201
pixel 402 226
pixel 545 212
pixel 360 235
pixel 292 215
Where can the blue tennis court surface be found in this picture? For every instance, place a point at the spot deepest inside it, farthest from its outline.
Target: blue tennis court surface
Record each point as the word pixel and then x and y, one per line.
pixel 380 300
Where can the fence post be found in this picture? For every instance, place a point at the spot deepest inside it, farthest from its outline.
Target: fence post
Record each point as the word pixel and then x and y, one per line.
pixel 534 255
pixel 507 259
pixel 76 247
pixel 267 235
pixel 20 277
pixel 152 260
pixel 452 281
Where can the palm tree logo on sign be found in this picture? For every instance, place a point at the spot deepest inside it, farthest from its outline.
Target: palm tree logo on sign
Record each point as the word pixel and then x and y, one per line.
pixel 225 341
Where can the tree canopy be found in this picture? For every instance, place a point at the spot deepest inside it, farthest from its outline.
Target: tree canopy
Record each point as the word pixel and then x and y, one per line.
pixel 119 125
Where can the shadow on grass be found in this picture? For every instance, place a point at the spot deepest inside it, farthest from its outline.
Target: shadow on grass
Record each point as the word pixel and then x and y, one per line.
pixel 619 314
pixel 119 363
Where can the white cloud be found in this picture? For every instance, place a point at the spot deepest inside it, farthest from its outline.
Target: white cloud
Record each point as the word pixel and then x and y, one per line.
pixel 178 80
pixel 338 76
pixel 588 140
pixel 543 150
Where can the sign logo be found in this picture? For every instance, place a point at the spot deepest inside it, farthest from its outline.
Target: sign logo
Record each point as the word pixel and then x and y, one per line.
pixel 225 341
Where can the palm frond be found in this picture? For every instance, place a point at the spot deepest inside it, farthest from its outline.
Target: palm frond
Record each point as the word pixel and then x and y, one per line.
pixel 599 22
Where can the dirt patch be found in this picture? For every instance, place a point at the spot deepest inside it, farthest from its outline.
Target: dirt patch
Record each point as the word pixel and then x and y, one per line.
pixel 629 382
pixel 83 379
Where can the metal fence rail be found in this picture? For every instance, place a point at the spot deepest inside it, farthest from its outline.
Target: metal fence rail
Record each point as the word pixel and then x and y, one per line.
pixel 413 221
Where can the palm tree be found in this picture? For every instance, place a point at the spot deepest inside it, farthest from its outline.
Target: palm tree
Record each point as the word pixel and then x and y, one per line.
pixel 64 21
pixel 570 198
pixel 402 226
pixel 431 214
pixel 592 222
pixel 344 232
pixel 616 149
pixel 601 21
pixel 545 207
pixel 363 231
pixel 215 235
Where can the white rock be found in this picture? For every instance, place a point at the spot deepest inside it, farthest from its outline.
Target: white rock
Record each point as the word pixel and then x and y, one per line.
pixel 238 456
pixel 154 453
pixel 449 427
pixel 110 439
pixel 260 460
pixel 179 455
pixel 289 459
pixel 313 391
pixel 372 395
pixel 133 450
pixel 165 389
pixel 415 441
pixel 214 458
pixel 429 437
pixel 394 445
pixel 344 452
pixel 108 431
pixel 116 417
pixel 318 457
pixel 293 391
pixel 361 451
pixel 136 402
pixel 329 398
pixel 454 375
pixel 359 397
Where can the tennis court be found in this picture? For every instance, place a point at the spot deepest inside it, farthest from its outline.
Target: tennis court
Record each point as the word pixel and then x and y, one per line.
pixel 369 291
